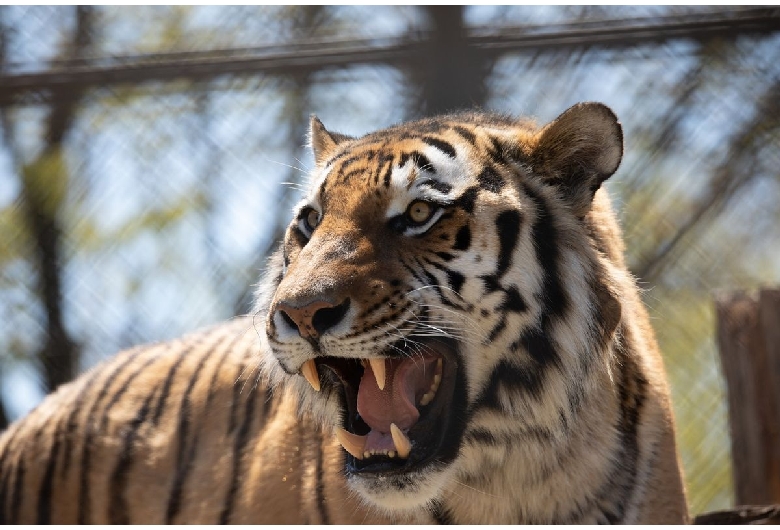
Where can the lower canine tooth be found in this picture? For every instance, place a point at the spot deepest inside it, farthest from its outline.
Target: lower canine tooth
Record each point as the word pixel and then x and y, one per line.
pixel 378 367
pixel 352 443
pixel 401 442
pixel 309 371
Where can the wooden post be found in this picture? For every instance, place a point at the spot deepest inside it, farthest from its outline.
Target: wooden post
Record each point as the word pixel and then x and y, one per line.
pixel 749 343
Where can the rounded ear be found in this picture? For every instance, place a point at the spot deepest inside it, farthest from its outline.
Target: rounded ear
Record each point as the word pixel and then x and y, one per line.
pixel 578 151
pixel 323 143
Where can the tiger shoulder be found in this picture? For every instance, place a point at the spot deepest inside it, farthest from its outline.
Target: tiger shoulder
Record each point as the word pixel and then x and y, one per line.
pixel 448 333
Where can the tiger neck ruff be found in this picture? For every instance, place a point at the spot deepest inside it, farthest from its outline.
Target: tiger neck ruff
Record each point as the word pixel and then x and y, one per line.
pixel 448 333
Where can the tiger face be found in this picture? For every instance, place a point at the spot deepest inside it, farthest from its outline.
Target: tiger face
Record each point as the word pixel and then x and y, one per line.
pixel 439 283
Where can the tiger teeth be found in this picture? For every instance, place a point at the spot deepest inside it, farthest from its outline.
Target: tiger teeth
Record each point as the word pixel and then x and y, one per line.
pixel 378 368
pixel 431 393
pixel 355 444
pixel 401 442
pixel 309 371
pixel 352 443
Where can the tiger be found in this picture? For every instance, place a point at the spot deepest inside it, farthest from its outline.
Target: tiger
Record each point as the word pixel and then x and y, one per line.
pixel 447 333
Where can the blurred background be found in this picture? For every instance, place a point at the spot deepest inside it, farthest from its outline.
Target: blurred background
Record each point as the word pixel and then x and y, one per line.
pixel 149 158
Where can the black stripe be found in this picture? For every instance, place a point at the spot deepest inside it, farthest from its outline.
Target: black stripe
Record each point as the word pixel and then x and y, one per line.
pixel 118 511
pixel 537 344
pixel 418 159
pixel 215 374
pixel 508 225
pixel 510 376
pixel 348 175
pixel 467 199
pixel 545 239
pixel 241 439
pixel 348 162
pixel 482 436
pixel 513 301
pixel 16 496
pixel 5 469
pixel 441 145
pixel 388 174
pixel 437 185
pixel 434 282
pixel 185 455
pixel 422 162
pixel 491 283
pixel 77 407
pixel 462 238
pixel 490 180
pixel 498 328
pixel 455 279
pixel 446 256
pixel 86 449
pixel 519 436
pixel 466 134
pixel 166 388
pixel 47 486
pixel 234 404
pixel 413 273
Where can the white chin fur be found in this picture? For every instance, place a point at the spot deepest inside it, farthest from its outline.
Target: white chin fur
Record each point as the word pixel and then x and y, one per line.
pixel 400 494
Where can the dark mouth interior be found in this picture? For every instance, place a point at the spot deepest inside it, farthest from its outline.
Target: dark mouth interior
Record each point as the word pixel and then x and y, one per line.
pixel 428 432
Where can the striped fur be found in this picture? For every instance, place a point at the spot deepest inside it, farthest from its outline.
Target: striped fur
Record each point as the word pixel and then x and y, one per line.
pixel 553 406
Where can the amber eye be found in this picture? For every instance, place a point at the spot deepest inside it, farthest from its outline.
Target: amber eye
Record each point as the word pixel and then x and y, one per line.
pixel 311 219
pixel 419 212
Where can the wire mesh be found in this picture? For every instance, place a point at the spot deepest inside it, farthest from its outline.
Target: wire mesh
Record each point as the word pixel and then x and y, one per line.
pixel 166 196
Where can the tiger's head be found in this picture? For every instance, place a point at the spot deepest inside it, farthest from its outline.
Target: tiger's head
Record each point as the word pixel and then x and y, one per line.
pixel 438 283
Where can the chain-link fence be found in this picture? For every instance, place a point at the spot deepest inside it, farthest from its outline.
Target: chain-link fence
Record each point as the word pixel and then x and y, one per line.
pixel 138 210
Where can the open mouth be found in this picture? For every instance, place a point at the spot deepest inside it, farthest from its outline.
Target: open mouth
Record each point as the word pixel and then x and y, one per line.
pixel 399 407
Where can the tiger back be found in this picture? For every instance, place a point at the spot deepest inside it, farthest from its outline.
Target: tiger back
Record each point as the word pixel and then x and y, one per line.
pixel 448 333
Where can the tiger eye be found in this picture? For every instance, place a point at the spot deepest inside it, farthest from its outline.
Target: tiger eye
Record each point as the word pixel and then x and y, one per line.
pixel 419 212
pixel 313 219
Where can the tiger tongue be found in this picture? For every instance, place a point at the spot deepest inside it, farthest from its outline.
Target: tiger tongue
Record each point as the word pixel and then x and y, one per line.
pixel 396 402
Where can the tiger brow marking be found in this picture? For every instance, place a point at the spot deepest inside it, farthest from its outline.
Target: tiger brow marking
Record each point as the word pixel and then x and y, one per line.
pixel 441 145
pixel 419 160
pixel 185 455
pixel 437 185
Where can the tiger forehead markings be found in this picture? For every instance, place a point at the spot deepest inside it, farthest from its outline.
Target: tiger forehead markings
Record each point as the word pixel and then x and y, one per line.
pixel 447 333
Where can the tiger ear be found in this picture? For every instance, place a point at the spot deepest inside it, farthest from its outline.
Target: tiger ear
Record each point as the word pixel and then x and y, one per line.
pixel 323 143
pixel 578 151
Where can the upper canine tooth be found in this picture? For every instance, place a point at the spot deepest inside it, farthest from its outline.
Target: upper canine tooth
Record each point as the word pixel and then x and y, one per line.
pixel 353 443
pixel 309 371
pixel 401 442
pixel 378 367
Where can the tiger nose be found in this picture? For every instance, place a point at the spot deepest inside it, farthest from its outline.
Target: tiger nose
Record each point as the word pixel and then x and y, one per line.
pixel 313 319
